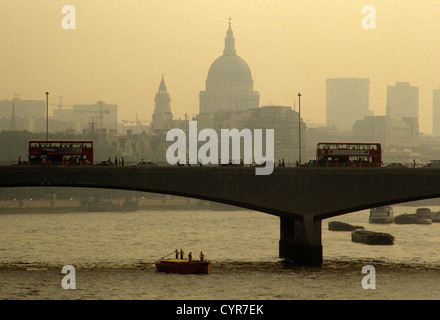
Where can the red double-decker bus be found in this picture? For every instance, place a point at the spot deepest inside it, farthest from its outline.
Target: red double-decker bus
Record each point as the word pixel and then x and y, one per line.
pixel 61 152
pixel 348 154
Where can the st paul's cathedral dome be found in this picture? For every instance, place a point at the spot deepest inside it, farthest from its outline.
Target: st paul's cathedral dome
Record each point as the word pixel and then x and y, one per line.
pixel 229 85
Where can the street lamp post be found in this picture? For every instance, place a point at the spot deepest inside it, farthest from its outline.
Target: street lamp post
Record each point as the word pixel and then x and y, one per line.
pixel 47 116
pixel 299 126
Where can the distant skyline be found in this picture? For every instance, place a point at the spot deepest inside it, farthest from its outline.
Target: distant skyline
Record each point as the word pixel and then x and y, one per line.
pixel 120 49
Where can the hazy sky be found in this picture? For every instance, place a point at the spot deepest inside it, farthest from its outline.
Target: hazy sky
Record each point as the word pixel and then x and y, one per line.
pixel 120 49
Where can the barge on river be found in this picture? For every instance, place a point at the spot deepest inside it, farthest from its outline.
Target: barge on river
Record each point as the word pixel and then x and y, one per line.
pixel 183 266
pixel 342 226
pixel 372 237
pixel 422 216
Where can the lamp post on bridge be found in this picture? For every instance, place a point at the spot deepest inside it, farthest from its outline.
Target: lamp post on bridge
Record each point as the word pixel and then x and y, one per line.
pixel 47 116
pixel 299 127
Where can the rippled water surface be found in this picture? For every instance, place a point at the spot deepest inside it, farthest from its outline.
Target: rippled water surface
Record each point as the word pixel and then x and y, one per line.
pixel 113 254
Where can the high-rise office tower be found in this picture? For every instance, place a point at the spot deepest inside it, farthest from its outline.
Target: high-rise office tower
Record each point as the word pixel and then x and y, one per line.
pixel 402 101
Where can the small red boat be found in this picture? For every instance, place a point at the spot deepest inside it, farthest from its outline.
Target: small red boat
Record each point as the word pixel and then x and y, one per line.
pixel 183 266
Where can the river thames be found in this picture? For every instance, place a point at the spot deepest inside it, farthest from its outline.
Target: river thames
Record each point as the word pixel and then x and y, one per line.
pixel 113 255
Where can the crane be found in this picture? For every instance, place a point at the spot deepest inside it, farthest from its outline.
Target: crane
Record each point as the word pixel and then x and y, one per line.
pixel 60 105
pixel 100 111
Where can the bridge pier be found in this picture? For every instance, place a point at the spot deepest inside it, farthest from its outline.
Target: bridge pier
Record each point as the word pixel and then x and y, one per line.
pixel 300 240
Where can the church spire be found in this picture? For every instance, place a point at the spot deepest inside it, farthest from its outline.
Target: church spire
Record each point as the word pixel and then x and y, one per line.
pixel 162 86
pixel 229 41
pixel 162 99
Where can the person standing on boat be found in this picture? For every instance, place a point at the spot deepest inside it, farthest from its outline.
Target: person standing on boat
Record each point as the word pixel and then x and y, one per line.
pixel 190 256
pixel 177 254
pixel 181 254
pixel 202 256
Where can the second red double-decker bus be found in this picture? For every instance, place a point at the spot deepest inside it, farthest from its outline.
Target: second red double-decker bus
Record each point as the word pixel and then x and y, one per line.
pixel 350 154
pixel 61 152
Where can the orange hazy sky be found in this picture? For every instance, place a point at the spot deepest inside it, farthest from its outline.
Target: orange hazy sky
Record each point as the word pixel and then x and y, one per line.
pixel 120 49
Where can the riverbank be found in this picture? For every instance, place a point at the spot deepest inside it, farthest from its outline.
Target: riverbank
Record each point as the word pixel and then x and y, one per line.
pixel 74 205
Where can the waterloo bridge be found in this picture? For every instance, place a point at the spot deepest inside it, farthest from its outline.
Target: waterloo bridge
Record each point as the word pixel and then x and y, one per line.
pixel 301 197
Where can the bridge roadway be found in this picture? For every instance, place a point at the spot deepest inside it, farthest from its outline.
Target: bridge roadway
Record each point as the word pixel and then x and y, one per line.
pixel 301 197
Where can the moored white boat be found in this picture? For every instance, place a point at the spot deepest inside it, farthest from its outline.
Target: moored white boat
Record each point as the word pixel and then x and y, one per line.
pixel 383 214
pixel 435 216
pixel 423 213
